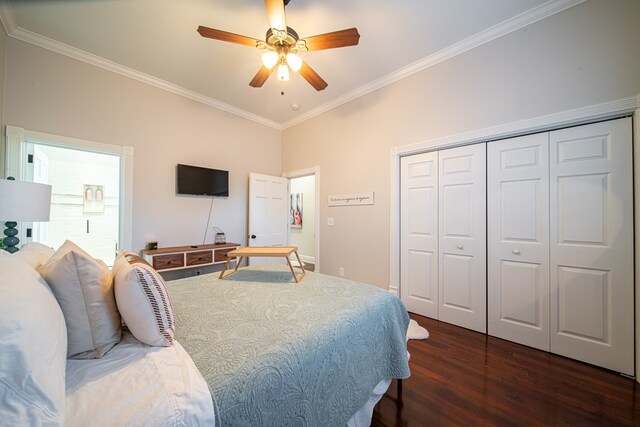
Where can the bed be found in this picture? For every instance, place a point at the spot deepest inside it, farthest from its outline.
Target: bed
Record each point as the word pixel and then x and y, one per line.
pixel 275 352
pixel 253 349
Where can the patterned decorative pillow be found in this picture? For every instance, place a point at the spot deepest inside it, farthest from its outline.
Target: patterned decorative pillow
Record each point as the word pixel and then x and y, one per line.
pixel 144 301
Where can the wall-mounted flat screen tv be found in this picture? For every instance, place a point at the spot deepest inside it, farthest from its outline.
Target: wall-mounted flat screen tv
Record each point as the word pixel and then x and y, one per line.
pixel 197 181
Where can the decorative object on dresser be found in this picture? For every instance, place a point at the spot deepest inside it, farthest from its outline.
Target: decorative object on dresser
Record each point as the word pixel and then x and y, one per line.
pixel 22 201
pixel 180 257
pixel 220 236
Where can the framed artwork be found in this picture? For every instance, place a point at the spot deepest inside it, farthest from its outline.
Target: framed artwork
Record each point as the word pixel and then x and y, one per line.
pixel 93 198
pixel 295 210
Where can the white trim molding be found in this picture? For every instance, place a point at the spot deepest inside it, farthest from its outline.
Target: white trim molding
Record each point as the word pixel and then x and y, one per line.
pixel 578 116
pixel 16 157
pixel 636 182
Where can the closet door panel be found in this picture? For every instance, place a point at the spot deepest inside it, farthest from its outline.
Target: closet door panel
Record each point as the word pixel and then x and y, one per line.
pixel 462 245
pixel 419 234
pixel 518 242
pixel 592 244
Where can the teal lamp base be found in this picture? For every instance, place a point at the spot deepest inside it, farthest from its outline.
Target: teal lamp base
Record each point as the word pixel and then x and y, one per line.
pixel 11 241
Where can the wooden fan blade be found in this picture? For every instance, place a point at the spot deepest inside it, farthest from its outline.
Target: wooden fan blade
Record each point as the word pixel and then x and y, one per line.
pixel 275 13
pixel 261 76
pixel 312 77
pixel 226 37
pixel 332 40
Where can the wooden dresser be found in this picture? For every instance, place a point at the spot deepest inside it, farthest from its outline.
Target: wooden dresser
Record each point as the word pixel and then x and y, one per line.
pixel 179 257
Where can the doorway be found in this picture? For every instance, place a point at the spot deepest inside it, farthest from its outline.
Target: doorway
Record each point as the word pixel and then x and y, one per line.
pixel 304 215
pixel 92 189
pixel 85 199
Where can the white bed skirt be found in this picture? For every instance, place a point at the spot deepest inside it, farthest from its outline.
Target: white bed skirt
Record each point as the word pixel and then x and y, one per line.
pixel 362 418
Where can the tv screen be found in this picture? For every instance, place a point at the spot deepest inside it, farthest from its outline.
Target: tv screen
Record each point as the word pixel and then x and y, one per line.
pixel 199 181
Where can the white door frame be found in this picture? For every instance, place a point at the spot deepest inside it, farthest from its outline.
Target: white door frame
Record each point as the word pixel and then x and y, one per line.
pixel 592 113
pixel 16 159
pixel 306 172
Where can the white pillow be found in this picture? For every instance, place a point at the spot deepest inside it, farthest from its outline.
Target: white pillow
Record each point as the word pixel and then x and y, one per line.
pixel 83 287
pixel 33 348
pixel 35 254
pixel 144 301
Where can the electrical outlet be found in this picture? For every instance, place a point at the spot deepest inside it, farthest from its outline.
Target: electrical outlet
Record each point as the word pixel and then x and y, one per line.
pixel 341 272
pixel 330 221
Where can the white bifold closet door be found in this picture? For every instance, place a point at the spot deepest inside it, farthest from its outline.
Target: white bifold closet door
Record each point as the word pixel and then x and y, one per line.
pixel 518 236
pixel 462 268
pixel 443 235
pixel 591 265
pixel 419 224
pixel 560 242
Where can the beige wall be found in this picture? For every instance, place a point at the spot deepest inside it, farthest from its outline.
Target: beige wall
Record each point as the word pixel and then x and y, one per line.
pixel 583 56
pixel 51 93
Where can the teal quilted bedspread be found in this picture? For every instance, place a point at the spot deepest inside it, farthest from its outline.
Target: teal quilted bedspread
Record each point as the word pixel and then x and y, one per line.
pixel 279 353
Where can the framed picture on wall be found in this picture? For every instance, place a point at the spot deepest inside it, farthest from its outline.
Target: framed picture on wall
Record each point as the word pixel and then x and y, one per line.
pixel 295 210
pixel 93 198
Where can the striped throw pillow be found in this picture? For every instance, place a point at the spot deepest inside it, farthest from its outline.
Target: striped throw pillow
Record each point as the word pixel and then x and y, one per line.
pixel 144 301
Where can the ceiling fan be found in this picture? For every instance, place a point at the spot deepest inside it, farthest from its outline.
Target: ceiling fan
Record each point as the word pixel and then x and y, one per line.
pixel 282 45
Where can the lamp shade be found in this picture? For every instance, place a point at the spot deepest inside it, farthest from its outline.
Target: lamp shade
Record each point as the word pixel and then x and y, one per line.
pixel 294 61
pixel 270 59
pixel 24 201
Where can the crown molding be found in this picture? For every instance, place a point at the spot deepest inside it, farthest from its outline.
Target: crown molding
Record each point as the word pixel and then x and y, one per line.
pixel 8 20
pixel 72 52
pixel 503 28
pixel 7 17
pixel 510 25
pixel 575 117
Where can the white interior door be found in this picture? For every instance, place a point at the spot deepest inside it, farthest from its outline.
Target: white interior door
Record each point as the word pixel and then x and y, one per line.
pixel 462 246
pixel 592 244
pixel 419 234
pixel 518 240
pixel 268 213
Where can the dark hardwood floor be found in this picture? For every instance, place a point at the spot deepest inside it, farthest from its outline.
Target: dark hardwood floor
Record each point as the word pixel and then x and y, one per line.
pixel 464 378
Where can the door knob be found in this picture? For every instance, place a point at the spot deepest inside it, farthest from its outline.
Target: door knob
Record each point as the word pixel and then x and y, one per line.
pixel 516 252
pixel 253 236
pixel 460 247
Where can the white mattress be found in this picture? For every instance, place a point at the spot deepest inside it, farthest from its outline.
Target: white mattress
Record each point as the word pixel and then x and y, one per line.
pixel 137 385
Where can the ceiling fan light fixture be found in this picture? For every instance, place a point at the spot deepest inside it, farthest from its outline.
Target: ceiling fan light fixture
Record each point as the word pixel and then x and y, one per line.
pixel 270 59
pixel 283 72
pixel 294 61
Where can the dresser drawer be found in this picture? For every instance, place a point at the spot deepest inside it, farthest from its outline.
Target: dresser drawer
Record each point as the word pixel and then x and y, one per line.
pixel 162 262
pixel 221 254
pixel 200 257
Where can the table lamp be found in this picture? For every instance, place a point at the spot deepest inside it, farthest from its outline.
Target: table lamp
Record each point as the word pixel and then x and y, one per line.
pixel 22 201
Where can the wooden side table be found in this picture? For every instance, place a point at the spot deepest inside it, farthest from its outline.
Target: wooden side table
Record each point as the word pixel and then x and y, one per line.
pixel 263 251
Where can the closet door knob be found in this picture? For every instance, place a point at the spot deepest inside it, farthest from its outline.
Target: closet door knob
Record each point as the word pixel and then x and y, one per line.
pixel 460 247
pixel 516 252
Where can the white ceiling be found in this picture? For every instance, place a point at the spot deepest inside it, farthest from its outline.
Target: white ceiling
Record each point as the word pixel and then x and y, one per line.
pixel 156 41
